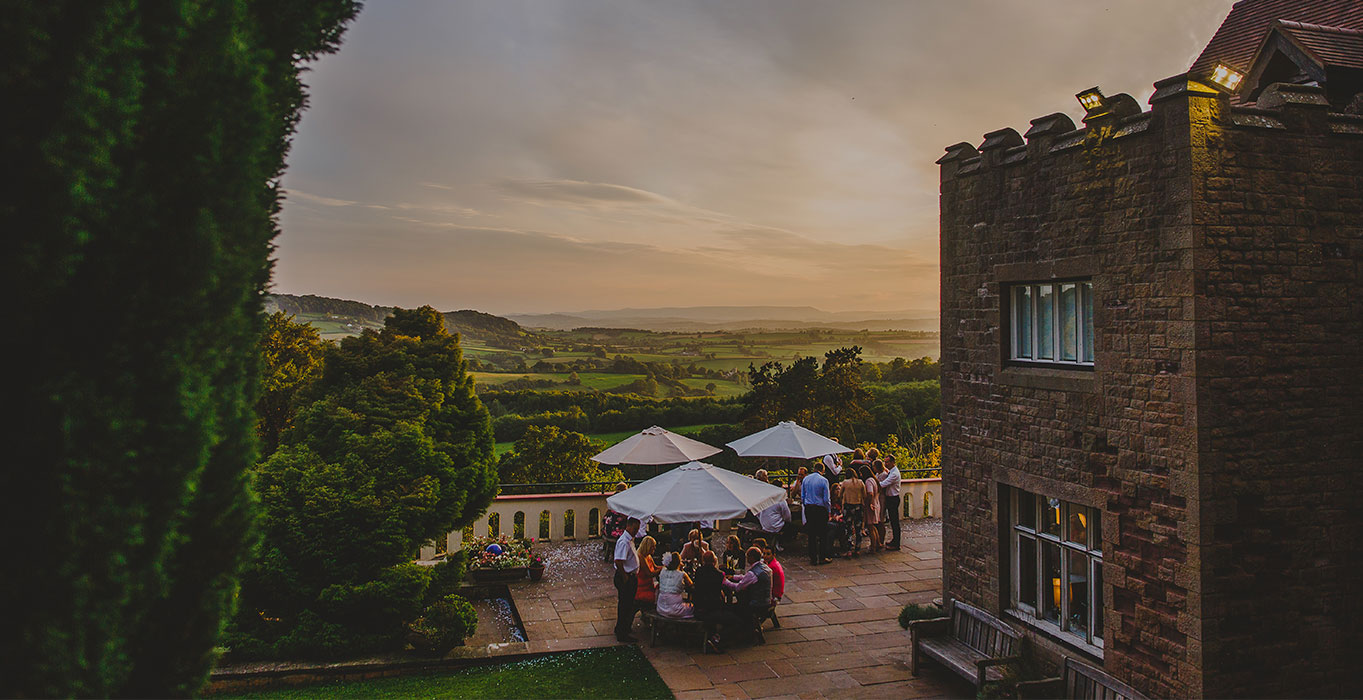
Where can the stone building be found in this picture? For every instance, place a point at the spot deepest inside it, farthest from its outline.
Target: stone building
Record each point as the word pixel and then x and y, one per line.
pixel 1152 349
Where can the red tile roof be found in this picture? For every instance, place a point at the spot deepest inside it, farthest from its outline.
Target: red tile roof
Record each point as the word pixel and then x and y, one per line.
pixel 1332 46
pixel 1249 22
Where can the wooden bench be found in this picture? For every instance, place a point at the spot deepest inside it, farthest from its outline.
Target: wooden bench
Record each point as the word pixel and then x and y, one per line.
pixel 682 624
pixel 1079 681
pixel 970 642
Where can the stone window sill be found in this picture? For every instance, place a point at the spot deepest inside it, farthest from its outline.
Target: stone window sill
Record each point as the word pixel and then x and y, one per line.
pixel 1055 636
pixel 1048 378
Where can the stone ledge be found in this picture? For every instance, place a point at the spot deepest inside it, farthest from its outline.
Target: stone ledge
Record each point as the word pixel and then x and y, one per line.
pixel 1048 378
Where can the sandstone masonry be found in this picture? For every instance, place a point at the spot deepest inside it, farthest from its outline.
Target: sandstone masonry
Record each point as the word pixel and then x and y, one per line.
pixel 1220 428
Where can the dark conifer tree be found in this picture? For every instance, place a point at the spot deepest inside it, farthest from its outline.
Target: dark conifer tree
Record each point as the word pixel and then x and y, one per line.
pixel 142 142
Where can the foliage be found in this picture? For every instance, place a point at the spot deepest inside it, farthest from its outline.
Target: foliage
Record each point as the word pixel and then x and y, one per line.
pixel 828 399
pixel 914 611
pixel 612 672
pixel 394 451
pixel 291 359
pixel 444 625
pixel 146 141
pixel 547 454
pixel 923 453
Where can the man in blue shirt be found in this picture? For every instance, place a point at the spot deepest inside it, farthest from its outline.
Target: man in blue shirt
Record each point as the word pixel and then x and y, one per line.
pixel 814 494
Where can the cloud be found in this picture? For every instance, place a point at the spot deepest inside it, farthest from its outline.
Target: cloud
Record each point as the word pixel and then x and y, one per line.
pixel 316 199
pixel 576 193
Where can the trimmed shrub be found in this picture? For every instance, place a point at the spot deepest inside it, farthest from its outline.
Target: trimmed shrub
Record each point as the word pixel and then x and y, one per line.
pixel 444 625
pixel 913 611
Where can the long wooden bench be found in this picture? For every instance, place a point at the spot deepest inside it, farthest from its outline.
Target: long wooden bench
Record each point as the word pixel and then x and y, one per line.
pixel 971 643
pixel 676 624
pixel 1079 681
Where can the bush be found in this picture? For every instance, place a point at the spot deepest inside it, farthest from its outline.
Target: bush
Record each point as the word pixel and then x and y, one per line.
pixel 913 611
pixel 444 625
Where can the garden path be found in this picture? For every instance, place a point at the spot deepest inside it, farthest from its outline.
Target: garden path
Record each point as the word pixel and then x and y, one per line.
pixel 839 634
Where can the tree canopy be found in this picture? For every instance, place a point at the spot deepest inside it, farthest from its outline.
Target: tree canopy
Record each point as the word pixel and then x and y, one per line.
pixel 546 454
pixel 394 450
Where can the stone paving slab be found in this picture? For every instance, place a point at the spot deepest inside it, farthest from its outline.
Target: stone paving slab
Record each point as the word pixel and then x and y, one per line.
pixel 839 635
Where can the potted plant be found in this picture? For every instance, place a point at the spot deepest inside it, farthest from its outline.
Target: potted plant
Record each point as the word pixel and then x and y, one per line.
pixel 536 568
pixel 493 559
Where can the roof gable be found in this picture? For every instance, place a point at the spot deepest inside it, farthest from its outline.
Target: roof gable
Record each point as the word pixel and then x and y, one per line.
pixel 1249 22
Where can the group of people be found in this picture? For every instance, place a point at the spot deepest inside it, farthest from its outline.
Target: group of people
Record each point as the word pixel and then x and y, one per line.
pixel 843 504
pixel 753 578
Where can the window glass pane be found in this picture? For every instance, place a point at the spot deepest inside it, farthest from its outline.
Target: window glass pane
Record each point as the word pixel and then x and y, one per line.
pixel 1022 321
pixel 1026 515
pixel 1087 304
pixel 1095 529
pixel 1027 571
pixel 1050 572
pixel 1078 593
pixel 1097 600
pixel 1069 323
pixel 1045 310
pixel 1077 530
pixel 1050 515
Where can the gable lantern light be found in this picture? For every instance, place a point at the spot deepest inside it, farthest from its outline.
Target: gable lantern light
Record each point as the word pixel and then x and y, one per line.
pixel 1227 77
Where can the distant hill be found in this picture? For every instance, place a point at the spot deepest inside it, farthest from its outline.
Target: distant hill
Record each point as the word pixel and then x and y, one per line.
pixel 732 318
pixel 354 316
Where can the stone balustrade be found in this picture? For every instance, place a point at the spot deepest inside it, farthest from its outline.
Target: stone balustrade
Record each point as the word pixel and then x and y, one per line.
pixel 577 516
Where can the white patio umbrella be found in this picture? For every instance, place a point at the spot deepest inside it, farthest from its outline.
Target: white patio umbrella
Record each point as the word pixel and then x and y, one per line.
pixel 693 492
pixel 786 439
pixel 656 446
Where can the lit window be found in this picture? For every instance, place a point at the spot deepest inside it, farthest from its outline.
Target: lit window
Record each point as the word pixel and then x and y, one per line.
pixel 1057 567
pixel 1052 322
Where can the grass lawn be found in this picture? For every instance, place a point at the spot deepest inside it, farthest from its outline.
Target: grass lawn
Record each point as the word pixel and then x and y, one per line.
pixel 612 672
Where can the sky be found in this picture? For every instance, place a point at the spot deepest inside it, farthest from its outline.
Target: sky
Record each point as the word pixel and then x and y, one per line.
pixel 533 156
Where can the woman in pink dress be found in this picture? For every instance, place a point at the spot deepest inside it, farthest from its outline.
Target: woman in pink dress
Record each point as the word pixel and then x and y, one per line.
pixel 873 510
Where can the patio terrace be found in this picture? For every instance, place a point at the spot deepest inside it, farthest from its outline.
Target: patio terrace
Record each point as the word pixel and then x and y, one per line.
pixel 839 633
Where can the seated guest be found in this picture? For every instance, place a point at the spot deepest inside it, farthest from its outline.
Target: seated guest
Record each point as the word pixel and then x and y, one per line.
pixel 672 584
pixel 695 546
pixel 774 518
pixel 733 554
pixel 707 597
pixel 753 587
pixel 778 574
pixel 648 571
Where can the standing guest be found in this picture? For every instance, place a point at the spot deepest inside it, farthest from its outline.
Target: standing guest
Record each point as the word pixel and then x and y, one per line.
pixel 853 492
pixel 707 528
pixel 753 587
pixel 872 455
pixel 833 464
pixel 778 575
pixel 873 510
pixel 672 584
pixel 647 594
pixel 733 554
pixel 695 546
pixel 774 518
pixel 795 486
pixel 707 599
pixel 889 483
pixel 626 580
pixel 816 502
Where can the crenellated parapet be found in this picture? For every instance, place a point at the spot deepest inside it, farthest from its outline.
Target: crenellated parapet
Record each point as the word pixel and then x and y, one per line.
pixel 1282 107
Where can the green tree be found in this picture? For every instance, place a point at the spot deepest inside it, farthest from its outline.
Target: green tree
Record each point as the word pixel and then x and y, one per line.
pixel 291 358
pixel 150 137
pixel 394 451
pixel 546 454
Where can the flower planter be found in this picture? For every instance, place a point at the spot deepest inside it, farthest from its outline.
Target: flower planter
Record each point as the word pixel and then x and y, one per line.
pixel 536 572
pixel 514 573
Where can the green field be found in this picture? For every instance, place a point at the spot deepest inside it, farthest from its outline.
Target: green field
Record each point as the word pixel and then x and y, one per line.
pixel 612 672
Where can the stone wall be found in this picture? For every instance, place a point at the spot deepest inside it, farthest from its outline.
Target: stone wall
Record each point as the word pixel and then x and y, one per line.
pixel 1280 396
pixel 1210 318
